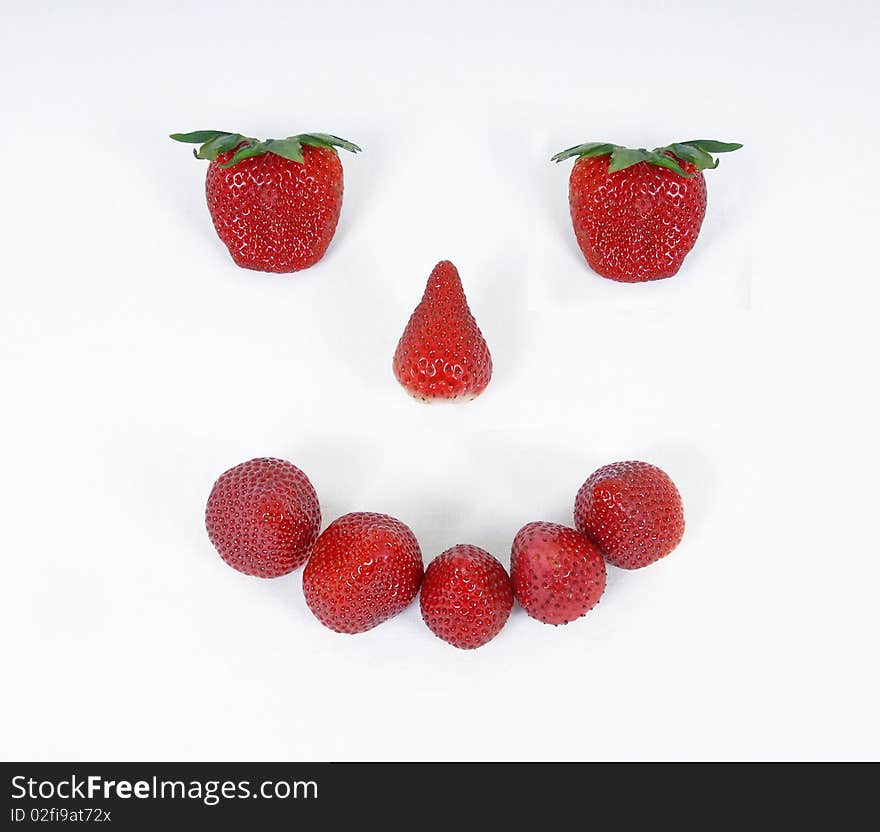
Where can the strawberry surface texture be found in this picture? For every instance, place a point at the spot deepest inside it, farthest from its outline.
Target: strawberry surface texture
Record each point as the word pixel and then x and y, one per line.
pixel 442 353
pixel 263 517
pixel 466 596
pixel 637 224
pixel 558 573
pixel 633 511
pixel 364 569
pixel 275 215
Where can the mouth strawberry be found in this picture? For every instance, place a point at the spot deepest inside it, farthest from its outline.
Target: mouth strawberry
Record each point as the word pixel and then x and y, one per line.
pixel 637 213
pixel 263 517
pixel 274 203
pixel 558 573
pixel 466 597
pixel 364 569
pixel 633 511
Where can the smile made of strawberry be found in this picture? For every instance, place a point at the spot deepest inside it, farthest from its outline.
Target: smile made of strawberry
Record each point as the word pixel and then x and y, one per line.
pixel 275 203
pixel 637 213
pixel 263 517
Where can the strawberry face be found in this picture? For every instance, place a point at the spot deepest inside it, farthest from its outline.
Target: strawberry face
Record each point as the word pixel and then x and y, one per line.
pixel 466 597
pixel 558 574
pixel 263 517
pixel 364 569
pixel 442 353
pixel 637 213
pixel 275 204
pixel 633 511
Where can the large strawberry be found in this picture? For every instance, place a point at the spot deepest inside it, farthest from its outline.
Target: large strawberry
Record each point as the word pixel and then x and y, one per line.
pixel 466 596
pixel 442 353
pixel 274 203
pixel 558 573
pixel 633 511
pixel 364 569
pixel 263 517
pixel 637 213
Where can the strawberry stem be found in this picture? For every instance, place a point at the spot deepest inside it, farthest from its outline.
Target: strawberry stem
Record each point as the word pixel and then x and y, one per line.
pixel 215 142
pixel 697 152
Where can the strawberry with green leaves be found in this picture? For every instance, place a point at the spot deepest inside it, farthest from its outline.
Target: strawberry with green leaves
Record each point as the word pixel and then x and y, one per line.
pixel 637 213
pixel 275 203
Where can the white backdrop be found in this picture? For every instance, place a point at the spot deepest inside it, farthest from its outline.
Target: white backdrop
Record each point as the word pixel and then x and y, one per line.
pixel 138 363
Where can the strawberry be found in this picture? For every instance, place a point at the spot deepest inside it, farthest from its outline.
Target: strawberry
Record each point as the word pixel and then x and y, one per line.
pixel 364 569
pixel 466 597
pixel 263 517
pixel 637 213
pixel 633 511
pixel 442 353
pixel 558 573
pixel 274 203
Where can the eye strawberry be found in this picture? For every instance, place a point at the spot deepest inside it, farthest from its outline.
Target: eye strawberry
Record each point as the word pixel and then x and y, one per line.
pixel 275 203
pixel 263 517
pixel 558 574
pixel 466 597
pixel 442 353
pixel 637 213
pixel 633 511
pixel 364 569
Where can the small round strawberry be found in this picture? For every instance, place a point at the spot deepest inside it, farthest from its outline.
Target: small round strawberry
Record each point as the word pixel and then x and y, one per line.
pixel 637 213
pixel 263 517
pixel 466 597
pixel 442 353
pixel 364 569
pixel 558 574
pixel 274 203
pixel 633 511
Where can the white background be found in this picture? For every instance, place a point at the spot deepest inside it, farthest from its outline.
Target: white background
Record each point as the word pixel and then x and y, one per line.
pixel 138 363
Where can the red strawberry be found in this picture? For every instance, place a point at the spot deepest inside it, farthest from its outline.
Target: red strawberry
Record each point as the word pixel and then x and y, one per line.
pixel 274 203
pixel 364 569
pixel 466 597
pixel 263 517
pixel 633 511
pixel 637 213
pixel 558 574
pixel 442 353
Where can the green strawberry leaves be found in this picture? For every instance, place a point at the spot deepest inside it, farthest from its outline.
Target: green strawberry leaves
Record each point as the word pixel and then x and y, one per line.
pixel 250 148
pixel 215 142
pixel 286 148
pixel 212 148
pixel 326 140
pixel 584 150
pixel 625 157
pixel 696 151
pixel 712 146
pixel 693 154
pixel 199 136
